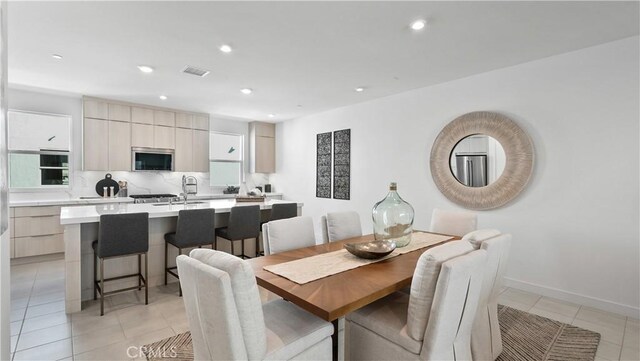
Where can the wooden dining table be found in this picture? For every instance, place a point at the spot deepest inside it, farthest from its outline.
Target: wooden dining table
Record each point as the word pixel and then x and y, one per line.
pixel 333 297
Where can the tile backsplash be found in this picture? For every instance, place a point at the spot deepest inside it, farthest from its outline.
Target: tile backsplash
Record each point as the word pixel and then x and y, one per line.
pixel 83 184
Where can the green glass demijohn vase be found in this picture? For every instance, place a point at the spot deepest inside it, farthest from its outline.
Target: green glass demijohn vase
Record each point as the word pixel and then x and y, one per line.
pixel 393 218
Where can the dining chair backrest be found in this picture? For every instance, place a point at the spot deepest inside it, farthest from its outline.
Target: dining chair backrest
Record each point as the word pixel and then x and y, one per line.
pixel 455 302
pixel 456 223
pixel 342 225
pixel 195 227
pixel 423 284
pixel 287 234
pixel 223 306
pixel 244 222
pixel 122 234
pixel 486 340
pixel 283 211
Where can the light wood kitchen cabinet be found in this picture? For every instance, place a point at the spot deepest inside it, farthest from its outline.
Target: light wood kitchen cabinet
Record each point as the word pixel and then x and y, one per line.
pixel 200 150
pixel 164 137
pixel 120 112
pixel 119 146
pixel 141 115
pixel 36 211
pixel 142 135
pixel 36 231
pixel 265 160
pixel 262 147
pixel 264 129
pixel 96 109
pixel 161 117
pixel 200 122
pixel 37 226
pixel 184 120
pixel 96 144
pixel 112 128
pixel 184 150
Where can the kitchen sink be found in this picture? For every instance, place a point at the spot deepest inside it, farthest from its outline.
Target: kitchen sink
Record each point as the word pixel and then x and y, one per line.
pixel 177 203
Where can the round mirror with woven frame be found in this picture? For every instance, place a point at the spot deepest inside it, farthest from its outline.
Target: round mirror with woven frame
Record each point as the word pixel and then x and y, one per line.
pixel 518 167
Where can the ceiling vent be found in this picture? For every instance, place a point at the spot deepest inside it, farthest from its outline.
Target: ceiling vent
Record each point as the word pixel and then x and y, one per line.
pixel 195 71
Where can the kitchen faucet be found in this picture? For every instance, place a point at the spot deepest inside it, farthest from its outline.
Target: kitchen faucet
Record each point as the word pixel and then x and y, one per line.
pixel 189 186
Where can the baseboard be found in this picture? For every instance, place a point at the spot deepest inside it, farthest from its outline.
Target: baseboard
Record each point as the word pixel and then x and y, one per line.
pixel 601 304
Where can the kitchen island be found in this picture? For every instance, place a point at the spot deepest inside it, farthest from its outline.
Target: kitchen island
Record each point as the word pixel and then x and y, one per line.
pixel 81 229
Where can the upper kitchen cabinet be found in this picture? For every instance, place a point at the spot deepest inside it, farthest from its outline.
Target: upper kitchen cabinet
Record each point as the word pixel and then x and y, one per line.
pixel 184 120
pixel 119 112
pixel 164 118
pixel 38 132
pixel 201 121
pixel 96 109
pixel 96 144
pixel 119 146
pixel 112 128
pixel 262 147
pixel 142 135
pixel 200 149
pixel 141 115
pixel 164 137
pixel 184 150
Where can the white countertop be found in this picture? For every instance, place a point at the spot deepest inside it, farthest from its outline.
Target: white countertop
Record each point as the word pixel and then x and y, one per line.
pixel 68 201
pixel 90 214
pixel 100 200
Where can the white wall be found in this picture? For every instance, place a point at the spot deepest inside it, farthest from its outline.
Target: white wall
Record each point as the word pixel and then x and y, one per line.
pixel 575 226
pixel 83 183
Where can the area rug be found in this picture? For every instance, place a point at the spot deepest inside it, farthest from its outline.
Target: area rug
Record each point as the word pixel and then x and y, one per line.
pixel 525 337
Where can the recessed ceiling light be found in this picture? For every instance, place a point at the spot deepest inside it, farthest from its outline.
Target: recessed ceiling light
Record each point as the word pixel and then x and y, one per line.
pixel 359 89
pixel 418 24
pixel 163 97
pixel 56 56
pixel 271 115
pixel 225 48
pixel 145 68
pixel 246 91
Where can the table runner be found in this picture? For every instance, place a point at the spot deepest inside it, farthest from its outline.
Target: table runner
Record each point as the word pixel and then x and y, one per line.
pixel 312 268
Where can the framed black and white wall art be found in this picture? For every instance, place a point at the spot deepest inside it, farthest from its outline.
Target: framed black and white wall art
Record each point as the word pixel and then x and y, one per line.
pixel 323 165
pixel 342 164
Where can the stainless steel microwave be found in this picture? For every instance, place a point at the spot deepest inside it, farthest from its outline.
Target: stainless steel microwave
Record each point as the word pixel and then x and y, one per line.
pixel 153 159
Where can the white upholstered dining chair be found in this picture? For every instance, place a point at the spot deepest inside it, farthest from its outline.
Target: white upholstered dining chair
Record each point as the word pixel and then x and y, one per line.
pixel 432 323
pixel 455 223
pixel 337 226
pixel 287 234
pixel 228 322
pixel 486 341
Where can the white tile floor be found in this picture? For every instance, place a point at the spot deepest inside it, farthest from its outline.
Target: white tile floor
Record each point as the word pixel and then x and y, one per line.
pixel 42 331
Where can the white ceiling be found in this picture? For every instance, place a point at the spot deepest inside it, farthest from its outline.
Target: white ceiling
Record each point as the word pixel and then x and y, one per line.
pixel 299 57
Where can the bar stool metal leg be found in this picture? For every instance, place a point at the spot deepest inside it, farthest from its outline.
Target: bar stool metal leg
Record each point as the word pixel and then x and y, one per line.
pixel 146 279
pixel 101 287
pixel 166 261
pixel 95 276
pixel 139 272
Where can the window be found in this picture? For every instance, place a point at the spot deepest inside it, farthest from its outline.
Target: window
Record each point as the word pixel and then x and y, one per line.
pixel 39 150
pixel 226 159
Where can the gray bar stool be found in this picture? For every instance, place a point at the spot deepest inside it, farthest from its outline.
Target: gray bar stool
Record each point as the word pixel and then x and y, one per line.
pixel 279 211
pixel 195 228
pixel 121 235
pixel 244 223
